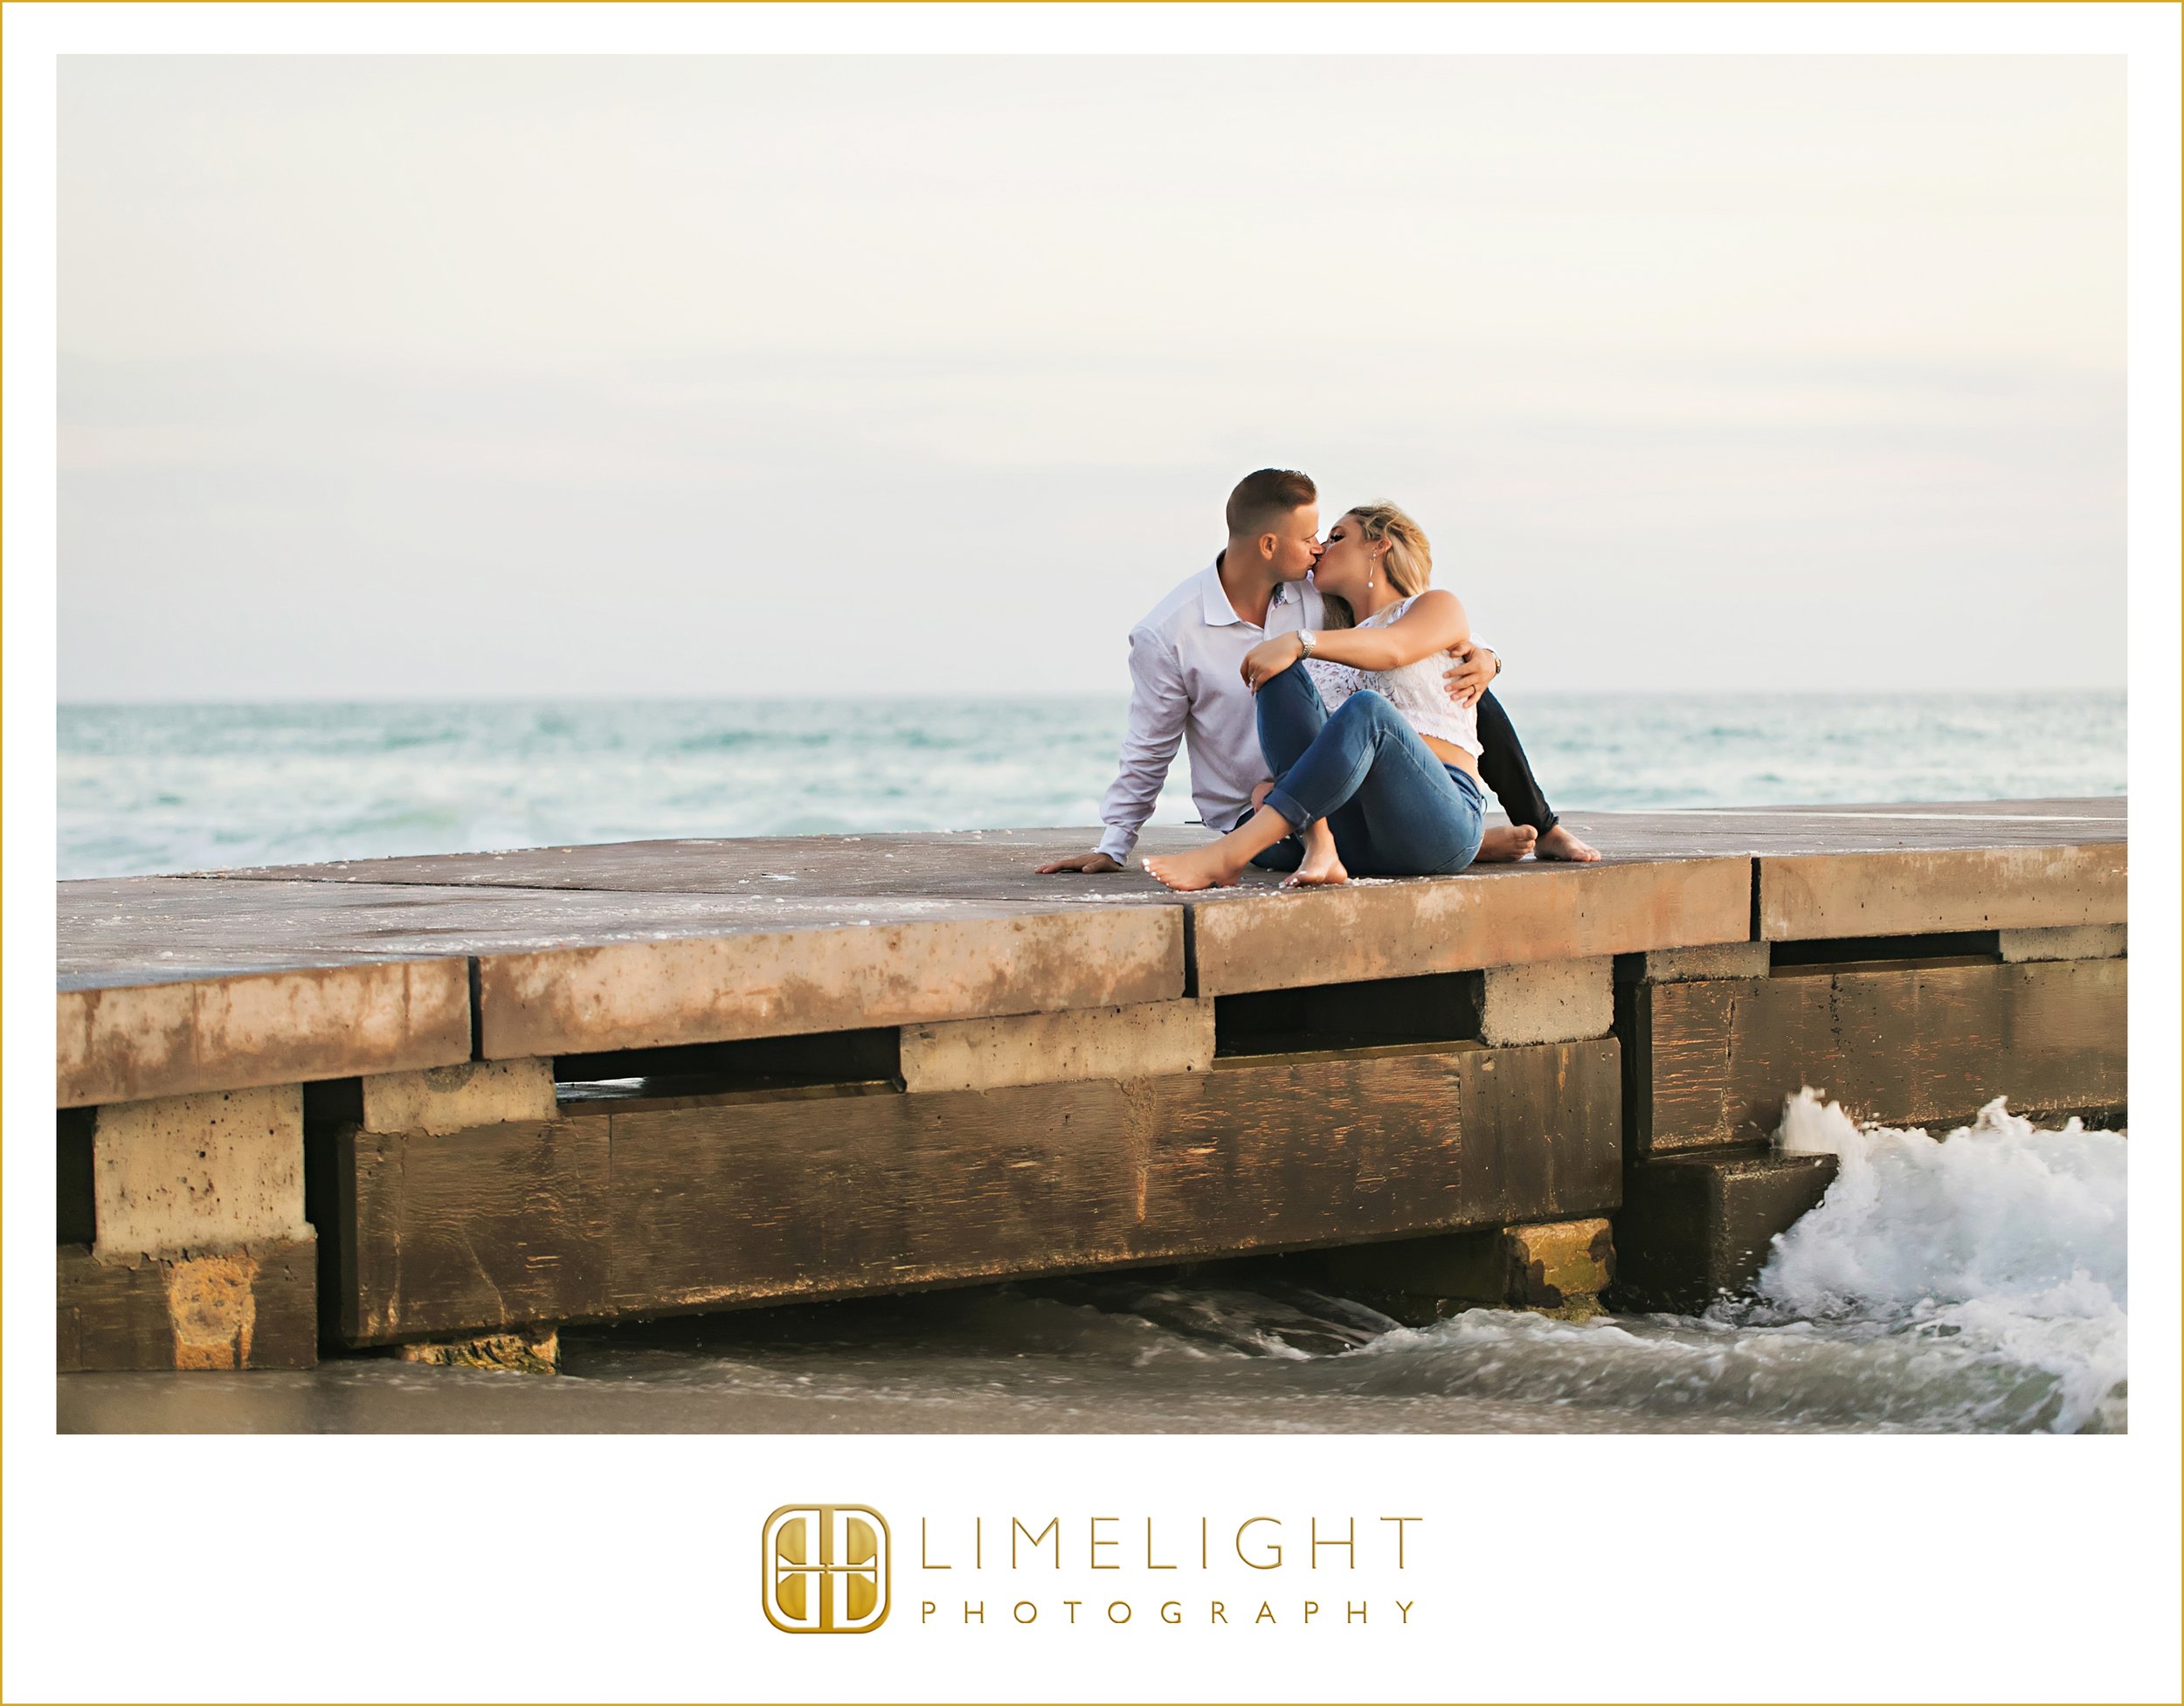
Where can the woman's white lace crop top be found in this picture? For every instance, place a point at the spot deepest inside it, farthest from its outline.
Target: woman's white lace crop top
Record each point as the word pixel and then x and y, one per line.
pixel 1417 690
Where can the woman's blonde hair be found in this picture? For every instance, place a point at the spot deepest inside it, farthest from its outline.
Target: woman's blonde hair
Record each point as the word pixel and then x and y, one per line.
pixel 1408 562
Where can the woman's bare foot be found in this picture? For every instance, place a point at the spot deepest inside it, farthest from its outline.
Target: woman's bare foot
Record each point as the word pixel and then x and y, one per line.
pixel 1323 867
pixel 1507 845
pixel 1209 866
pixel 1558 843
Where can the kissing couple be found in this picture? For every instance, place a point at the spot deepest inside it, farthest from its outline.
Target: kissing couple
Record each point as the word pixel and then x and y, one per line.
pixel 1335 705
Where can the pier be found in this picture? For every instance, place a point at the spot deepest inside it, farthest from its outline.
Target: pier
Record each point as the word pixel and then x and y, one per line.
pixel 312 1109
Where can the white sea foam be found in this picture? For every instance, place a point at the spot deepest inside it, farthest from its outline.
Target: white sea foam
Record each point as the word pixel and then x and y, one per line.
pixel 1976 1283
pixel 2010 1240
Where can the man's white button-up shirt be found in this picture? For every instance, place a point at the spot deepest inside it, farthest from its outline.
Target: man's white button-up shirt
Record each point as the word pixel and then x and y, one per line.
pixel 1186 683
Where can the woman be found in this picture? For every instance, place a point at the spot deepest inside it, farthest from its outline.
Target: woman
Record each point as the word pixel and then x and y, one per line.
pixel 1385 784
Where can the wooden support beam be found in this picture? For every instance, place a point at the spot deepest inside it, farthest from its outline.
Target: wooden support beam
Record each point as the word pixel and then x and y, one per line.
pixel 244 1309
pixel 765 1199
pixel 1699 1226
pixel 1708 1063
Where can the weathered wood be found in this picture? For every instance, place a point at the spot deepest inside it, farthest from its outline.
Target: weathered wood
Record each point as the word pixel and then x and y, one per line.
pixel 1969 888
pixel 244 1309
pixel 150 1040
pixel 1695 1227
pixel 1486 917
pixel 764 1200
pixel 1708 1063
pixel 478 1230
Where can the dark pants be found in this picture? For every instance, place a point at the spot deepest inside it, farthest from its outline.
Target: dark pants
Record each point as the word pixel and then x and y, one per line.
pixel 1503 768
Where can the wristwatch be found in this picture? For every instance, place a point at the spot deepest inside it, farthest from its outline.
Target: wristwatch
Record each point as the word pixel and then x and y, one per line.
pixel 1304 640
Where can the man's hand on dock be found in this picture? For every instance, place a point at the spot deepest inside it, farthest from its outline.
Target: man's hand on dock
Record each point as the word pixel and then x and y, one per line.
pixel 1091 864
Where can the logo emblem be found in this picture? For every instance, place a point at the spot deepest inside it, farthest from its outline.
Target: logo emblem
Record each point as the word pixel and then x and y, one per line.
pixel 826 1569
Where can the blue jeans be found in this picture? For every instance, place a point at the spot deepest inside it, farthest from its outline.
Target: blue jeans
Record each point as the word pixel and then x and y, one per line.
pixel 1395 809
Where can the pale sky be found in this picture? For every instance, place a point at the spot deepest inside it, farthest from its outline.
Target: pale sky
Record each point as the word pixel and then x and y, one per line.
pixel 477 377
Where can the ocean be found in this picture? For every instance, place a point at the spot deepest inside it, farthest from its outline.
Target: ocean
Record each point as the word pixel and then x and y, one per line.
pixel 1975 1283
pixel 189 787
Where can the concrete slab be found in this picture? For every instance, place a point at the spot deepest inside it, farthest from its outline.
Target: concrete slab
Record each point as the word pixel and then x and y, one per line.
pixel 654 994
pixel 1548 1001
pixel 2086 942
pixel 140 930
pixel 1499 915
pixel 175 985
pixel 1810 897
pixel 134 1041
pixel 1150 1040
pixel 1691 965
pixel 449 1099
pixel 186 1175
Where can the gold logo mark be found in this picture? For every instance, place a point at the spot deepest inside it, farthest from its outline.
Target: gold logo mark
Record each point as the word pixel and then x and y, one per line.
pixel 826 1570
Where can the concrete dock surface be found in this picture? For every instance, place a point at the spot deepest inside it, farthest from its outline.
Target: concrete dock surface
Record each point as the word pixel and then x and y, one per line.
pixel 227 980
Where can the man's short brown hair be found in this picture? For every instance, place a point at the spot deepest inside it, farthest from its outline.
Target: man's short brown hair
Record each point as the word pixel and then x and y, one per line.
pixel 1264 498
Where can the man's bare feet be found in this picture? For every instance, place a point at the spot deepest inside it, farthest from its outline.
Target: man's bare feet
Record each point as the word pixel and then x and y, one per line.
pixel 1506 845
pixel 1558 843
pixel 1209 866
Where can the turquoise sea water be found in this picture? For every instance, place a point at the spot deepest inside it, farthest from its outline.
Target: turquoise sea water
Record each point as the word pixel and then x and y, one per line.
pixel 174 788
pixel 1978 1284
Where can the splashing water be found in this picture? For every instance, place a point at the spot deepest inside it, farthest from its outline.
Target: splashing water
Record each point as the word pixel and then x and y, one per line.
pixel 2009 1239
pixel 1972 1284
pixel 1975 1283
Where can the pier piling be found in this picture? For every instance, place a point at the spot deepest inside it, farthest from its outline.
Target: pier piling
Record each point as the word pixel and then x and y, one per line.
pixel 434 1099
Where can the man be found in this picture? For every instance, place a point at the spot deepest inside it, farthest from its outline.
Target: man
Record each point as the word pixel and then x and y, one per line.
pixel 1186 661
